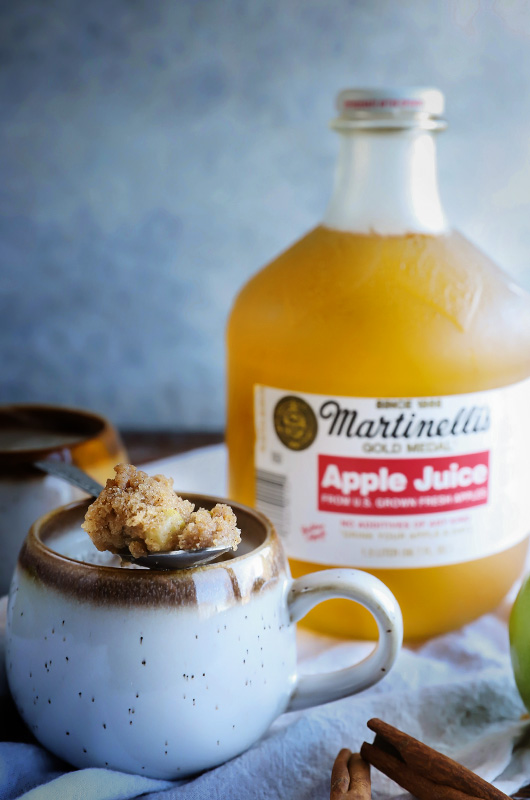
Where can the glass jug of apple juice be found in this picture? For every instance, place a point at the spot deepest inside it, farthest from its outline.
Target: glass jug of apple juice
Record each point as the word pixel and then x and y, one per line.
pixel 377 386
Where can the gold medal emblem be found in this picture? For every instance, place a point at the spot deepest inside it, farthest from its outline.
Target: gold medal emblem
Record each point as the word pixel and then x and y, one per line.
pixel 295 423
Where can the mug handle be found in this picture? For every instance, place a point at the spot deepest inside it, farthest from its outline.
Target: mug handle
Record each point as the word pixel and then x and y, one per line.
pixel 363 588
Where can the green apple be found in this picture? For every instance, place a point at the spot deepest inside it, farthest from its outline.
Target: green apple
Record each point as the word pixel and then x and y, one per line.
pixel 520 641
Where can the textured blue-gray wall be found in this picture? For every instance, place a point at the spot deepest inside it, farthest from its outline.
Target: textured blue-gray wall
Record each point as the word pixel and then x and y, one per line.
pixel 154 154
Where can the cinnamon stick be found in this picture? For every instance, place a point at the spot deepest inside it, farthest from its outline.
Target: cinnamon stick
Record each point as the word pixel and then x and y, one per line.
pixel 350 777
pixel 426 773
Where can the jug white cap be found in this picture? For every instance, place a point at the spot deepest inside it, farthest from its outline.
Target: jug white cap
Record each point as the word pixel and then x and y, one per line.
pixel 391 108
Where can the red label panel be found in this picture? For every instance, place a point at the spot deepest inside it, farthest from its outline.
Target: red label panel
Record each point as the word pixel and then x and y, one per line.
pixel 402 486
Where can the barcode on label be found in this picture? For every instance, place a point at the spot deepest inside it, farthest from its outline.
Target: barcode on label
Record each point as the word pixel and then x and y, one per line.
pixel 271 497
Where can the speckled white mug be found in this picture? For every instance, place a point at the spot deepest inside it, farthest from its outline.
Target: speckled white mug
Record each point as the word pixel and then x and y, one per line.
pixel 169 673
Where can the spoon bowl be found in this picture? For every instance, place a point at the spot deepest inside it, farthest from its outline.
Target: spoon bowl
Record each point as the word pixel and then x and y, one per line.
pixel 173 559
pixel 177 559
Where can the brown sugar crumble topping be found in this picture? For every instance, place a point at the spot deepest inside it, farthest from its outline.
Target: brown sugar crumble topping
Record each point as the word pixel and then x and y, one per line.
pixel 144 514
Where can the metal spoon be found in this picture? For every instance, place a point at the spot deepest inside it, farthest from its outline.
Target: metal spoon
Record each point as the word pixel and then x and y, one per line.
pixel 174 559
pixel 177 559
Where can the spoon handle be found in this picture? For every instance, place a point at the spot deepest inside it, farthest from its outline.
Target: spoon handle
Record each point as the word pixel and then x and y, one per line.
pixel 71 474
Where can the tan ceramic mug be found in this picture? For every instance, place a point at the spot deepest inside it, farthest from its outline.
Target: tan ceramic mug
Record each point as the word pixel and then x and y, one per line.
pixel 169 673
pixel 30 433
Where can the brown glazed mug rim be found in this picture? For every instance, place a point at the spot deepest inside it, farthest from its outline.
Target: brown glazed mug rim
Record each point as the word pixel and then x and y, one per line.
pixel 94 425
pixel 195 497
pixel 102 583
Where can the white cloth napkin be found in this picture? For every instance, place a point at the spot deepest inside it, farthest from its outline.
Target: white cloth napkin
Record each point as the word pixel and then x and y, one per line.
pixel 455 692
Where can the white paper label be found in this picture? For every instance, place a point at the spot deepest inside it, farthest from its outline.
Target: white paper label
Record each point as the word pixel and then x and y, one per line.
pixel 405 482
